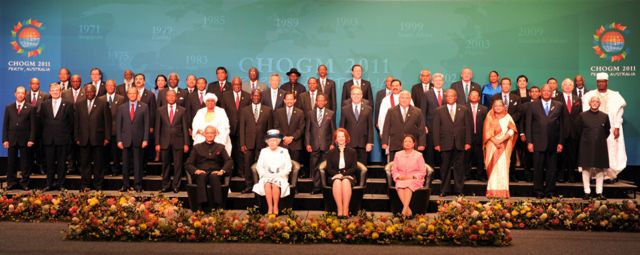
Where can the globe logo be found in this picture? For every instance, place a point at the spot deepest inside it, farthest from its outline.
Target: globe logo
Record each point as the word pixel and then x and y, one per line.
pixel 29 38
pixel 612 42
pixel 608 42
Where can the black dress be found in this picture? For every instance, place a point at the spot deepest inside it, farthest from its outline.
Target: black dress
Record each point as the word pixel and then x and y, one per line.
pixel 350 165
pixel 594 128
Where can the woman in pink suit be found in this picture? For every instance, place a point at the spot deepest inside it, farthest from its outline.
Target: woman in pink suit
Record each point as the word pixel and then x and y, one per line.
pixel 408 172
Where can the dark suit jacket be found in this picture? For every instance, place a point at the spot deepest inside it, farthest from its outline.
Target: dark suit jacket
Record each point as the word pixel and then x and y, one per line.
pixel 417 93
pixel 569 119
pixel 214 87
pixel 584 91
pixel 132 133
pixel 101 91
pixel 67 96
pixel 149 99
pixel 330 92
pixel 209 158
pixel 367 92
pixel 18 129
pixel 42 96
pixel 379 96
pixel 251 133
pixel 297 89
pixel 304 101
pixel 319 136
pixel 181 97
pixel 229 106
pixel 457 86
pixel 513 107
pixel 429 107
pixel 193 105
pixel 361 131
pixel 92 128
pixel 58 130
pixel 121 89
pixel 525 106
pixel 452 134
pixel 476 138
pixel 175 134
pixel 295 128
pixel 350 162
pixel 266 98
pixel 113 109
pixel 544 132
pixel 394 128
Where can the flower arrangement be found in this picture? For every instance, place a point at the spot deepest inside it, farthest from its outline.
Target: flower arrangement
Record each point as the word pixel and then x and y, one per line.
pixel 95 216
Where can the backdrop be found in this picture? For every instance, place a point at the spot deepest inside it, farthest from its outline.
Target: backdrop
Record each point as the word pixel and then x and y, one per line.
pixel 538 38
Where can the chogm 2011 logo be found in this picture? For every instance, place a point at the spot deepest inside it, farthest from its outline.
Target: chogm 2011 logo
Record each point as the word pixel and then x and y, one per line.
pixel 608 42
pixel 26 37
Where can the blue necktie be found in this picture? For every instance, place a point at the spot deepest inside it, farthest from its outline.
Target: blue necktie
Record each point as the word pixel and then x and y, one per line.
pixel 546 109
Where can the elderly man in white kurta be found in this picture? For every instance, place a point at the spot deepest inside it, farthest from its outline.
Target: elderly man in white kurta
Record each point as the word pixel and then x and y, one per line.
pixel 387 103
pixel 613 105
pixel 211 115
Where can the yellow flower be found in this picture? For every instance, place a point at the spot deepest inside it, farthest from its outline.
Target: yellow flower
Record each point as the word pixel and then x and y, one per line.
pixel 338 230
pixel 37 202
pixel 197 224
pixel 93 201
pixel 514 213
pixel 431 228
pixel 481 231
pixel 375 235
pixel 143 226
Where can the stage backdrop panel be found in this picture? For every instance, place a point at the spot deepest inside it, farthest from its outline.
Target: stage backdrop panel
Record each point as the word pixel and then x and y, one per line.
pixel 541 39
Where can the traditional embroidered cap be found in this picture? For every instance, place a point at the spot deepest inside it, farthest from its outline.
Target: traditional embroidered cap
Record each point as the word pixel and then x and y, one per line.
pixel 209 96
pixel 273 133
pixel 602 76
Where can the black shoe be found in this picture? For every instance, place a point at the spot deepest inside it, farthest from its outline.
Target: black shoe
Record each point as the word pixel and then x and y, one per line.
pixel 246 191
pixel 442 194
pixel 14 186
pixel 138 190
pixel 25 188
pixel 49 188
pixel 601 197
pixel 164 190
pixel 549 195
pixel 539 196
pixel 313 192
pixel 176 190
pixel 124 189
pixel 586 196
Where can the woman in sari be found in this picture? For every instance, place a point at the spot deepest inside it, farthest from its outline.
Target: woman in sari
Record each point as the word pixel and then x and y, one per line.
pixel 498 139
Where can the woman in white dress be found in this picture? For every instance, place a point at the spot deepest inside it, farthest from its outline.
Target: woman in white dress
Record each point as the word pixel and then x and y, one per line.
pixel 274 166
pixel 211 115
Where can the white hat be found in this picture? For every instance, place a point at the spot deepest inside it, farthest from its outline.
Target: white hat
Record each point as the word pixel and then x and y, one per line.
pixel 210 96
pixel 602 76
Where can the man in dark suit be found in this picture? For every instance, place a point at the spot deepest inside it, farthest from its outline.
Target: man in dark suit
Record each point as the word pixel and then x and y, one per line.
pixel 35 97
pixel 580 89
pixel 57 116
pixel 195 100
pixel 74 93
pixel 126 84
pixel 544 133
pixel 525 106
pixel 400 120
pixel 477 113
pixel 172 140
pixel 232 101
pixel 419 89
pixel 357 119
pixel 273 96
pixel 464 86
pixel 307 100
pixel 63 75
pixel 255 120
pixel 452 137
pixel 319 127
pixel 327 87
pixel 289 120
pixel 365 86
pixel 253 83
pixel 181 94
pixel 513 108
pixel 132 131
pixel 96 80
pixel 433 99
pixel 221 85
pixel 293 86
pixel 92 131
pixel 148 98
pixel 113 101
pixel 18 136
pixel 553 85
pixel 572 107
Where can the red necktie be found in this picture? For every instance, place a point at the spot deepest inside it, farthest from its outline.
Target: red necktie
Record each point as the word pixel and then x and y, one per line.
pixel 393 103
pixel 237 101
pixel 569 103
pixel 132 112
pixel 34 99
pixel 201 99
pixel 474 118
pixel 171 114
pixel 440 98
pixel 19 108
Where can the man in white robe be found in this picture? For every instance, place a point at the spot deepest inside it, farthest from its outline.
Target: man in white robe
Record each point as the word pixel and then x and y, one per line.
pixel 613 105
pixel 211 115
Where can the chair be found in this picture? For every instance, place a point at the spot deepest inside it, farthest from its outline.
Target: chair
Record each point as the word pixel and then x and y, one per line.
pixel 357 193
pixel 192 190
pixel 420 198
pixel 285 202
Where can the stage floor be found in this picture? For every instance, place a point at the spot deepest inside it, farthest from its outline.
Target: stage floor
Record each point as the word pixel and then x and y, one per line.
pixel 46 238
